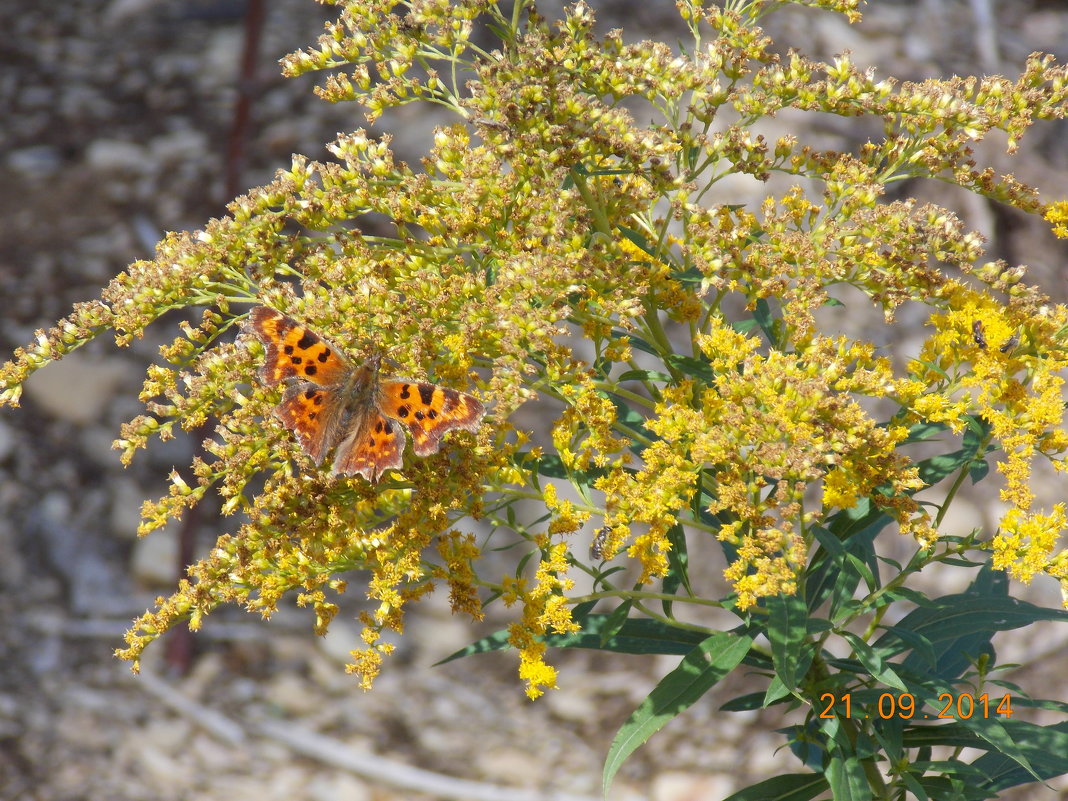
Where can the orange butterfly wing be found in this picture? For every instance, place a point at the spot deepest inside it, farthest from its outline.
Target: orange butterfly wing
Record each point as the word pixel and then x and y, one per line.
pixel 374 445
pixel 295 351
pixel 312 413
pixel 313 407
pixel 428 411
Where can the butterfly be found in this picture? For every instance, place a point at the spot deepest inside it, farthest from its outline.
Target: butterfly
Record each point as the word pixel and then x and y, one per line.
pixel 331 403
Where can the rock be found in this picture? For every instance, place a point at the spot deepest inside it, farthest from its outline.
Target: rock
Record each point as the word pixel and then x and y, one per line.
pixel 154 561
pixel 222 57
pixel 342 636
pixel 126 500
pixel 433 637
pixel 113 155
pixel 119 12
pixel 294 695
pixel 7 440
pixel 77 388
pixel 95 584
pixel 38 161
pixel 573 701
pixel 514 767
pixel 179 146
pixel 678 786
pixel 95 443
pixel 337 787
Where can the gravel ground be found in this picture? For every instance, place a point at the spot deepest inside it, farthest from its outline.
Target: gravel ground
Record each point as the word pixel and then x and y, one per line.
pixel 114 119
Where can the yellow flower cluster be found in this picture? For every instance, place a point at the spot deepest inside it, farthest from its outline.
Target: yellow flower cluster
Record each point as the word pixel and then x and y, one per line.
pixel 552 245
pixel 1014 384
pixel 545 609
pixel 1025 544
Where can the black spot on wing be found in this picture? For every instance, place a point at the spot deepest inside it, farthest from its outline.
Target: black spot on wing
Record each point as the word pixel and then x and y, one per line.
pixel 307 341
pixel 426 393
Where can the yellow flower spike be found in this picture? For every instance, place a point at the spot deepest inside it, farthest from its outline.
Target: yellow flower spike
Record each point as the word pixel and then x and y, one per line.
pixel 1057 215
pixel 566 248
pixel 1025 542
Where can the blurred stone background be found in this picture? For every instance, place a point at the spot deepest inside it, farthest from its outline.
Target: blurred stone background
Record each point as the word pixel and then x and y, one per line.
pixel 115 120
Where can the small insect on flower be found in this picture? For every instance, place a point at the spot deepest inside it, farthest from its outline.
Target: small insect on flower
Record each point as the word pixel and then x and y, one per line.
pixel 978 336
pixel 598 543
pixel 1010 343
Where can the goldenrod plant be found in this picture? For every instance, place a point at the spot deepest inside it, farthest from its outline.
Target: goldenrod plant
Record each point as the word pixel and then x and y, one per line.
pixel 570 235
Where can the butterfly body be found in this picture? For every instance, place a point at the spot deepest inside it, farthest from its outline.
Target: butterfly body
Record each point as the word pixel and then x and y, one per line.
pixel 331 403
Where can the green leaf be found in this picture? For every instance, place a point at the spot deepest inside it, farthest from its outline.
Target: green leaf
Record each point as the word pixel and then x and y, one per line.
pixel 978 470
pixel 690 275
pixel 934 368
pixel 581 612
pixel 940 787
pixel 633 637
pixel 788 787
pixel 921 432
pixel 745 703
pixel 638 343
pixel 497 641
pixel 776 692
pixel 888 733
pixel 847 555
pixel 638 636
pixel 678 573
pixel 846 778
pixel 551 465
pixel 644 375
pixel 960 627
pixel 692 367
pixel 916 642
pixel 616 619
pixel 699 671
pixel 978 431
pixel 994 731
pixel 1016 751
pixel 914 786
pixel 787 630
pixel 937 468
pixel 631 418
pixel 808 742
pixel 875 664
pixel 768 323
pixel 637 238
pixel 744 326
pixel 1045 746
